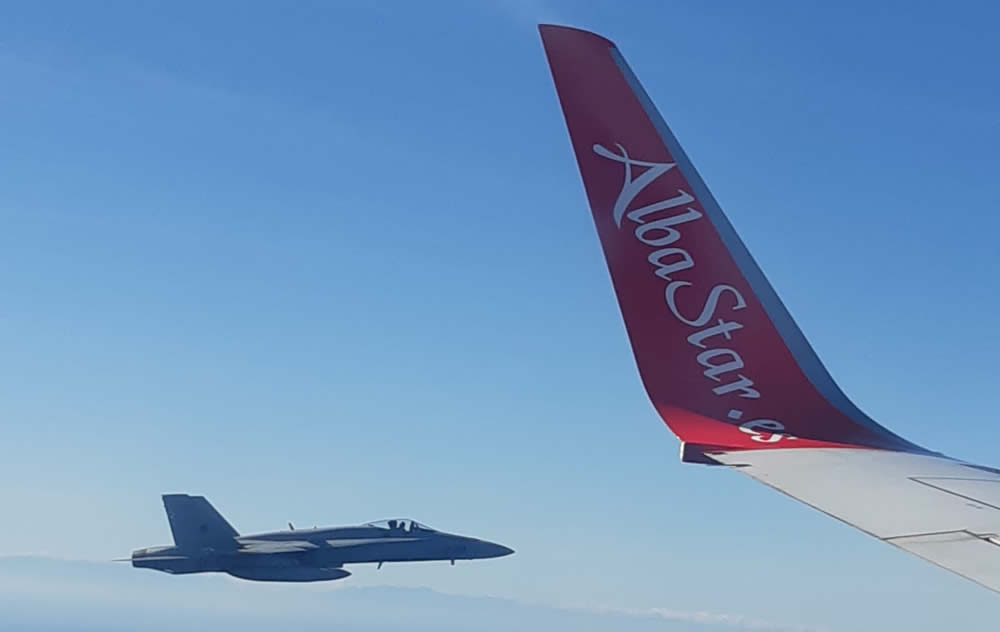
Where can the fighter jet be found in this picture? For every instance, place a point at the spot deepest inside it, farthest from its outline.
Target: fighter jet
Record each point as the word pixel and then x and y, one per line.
pixel 204 542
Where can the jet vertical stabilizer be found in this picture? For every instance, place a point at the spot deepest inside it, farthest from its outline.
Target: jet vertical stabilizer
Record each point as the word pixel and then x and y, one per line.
pixel 196 524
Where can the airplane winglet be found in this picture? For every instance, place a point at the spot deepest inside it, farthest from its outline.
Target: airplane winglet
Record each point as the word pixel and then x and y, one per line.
pixel 721 359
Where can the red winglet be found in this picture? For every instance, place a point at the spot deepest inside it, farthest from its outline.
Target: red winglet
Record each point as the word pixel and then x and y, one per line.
pixel 720 357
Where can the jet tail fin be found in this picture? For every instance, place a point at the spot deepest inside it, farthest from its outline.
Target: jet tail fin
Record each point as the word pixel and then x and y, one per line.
pixel 196 524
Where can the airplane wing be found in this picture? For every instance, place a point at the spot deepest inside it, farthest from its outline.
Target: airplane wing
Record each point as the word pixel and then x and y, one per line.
pixel 263 547
pixel 720 357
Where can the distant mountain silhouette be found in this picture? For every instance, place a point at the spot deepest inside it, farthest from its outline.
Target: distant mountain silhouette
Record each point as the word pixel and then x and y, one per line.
pixel 39 594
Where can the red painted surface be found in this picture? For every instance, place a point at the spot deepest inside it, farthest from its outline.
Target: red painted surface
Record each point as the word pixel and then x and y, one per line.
pixel 737 385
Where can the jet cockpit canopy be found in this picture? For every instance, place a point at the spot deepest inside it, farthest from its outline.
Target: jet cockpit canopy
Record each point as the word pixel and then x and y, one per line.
pixel 400 524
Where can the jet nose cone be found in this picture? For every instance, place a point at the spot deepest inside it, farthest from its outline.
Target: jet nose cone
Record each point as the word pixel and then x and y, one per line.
pixel 492 549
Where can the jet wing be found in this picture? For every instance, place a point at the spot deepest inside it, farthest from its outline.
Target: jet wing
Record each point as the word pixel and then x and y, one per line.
pixel 262 547
pixel 343 543
pixel 720 357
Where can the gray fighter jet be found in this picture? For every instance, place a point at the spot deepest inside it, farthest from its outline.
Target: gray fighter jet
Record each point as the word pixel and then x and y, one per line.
pixel 204 543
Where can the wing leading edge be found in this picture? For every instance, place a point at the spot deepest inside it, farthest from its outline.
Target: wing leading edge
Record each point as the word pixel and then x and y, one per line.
pixel 720 357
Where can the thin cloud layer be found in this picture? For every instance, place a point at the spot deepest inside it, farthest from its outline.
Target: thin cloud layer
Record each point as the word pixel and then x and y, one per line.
pixel 66 596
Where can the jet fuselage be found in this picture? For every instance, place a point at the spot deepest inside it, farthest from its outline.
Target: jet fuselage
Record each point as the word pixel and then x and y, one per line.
pixel 205 542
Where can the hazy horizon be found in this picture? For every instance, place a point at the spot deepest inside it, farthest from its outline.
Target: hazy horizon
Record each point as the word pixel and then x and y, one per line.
pixel 107 596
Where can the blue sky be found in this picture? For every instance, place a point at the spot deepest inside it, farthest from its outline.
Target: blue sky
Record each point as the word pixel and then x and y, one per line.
pixel 331 262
